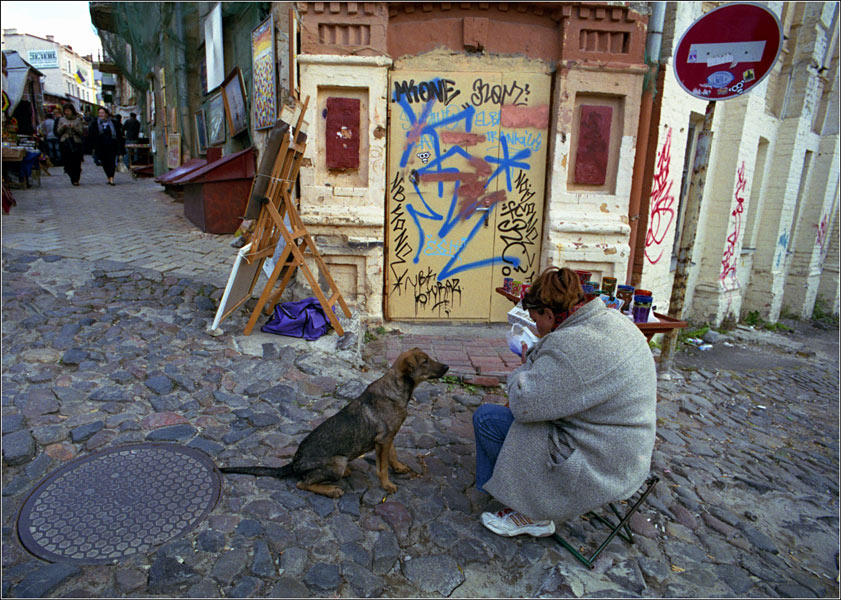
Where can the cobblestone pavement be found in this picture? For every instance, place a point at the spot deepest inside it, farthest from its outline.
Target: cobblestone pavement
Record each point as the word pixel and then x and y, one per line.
pixel 98 353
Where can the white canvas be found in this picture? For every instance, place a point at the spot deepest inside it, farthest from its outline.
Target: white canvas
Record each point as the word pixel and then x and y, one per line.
pixel 213 47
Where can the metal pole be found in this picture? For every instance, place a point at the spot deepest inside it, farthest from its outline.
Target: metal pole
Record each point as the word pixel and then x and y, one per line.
pixel 652 59
pixel 688 234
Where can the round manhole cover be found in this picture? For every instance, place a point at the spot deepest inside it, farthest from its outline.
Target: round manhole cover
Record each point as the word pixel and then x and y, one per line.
pixel 114 503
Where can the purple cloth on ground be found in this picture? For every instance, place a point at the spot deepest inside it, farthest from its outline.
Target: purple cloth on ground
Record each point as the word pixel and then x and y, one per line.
pixel 304 318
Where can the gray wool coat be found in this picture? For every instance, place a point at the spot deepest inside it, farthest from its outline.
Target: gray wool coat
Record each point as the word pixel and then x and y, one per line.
pixel 584 407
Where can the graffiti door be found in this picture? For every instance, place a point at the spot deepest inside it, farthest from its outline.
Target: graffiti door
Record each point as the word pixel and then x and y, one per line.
pixel 465 199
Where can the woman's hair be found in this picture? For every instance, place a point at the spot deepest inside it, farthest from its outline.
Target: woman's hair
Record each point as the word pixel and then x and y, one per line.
pixel 107 112
pixel 558 289
pixel 67 105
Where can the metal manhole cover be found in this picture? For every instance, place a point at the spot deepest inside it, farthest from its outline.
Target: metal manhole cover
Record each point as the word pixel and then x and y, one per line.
pixel 114 503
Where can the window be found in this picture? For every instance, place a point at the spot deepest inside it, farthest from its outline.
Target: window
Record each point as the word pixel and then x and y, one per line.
pixel 756 198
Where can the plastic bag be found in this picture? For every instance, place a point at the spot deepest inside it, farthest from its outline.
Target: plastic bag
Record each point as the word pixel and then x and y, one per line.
pixel 517 336
pixel 304 318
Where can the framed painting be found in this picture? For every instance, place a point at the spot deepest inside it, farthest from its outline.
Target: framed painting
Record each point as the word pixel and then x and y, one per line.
pixel 264 78
pixel 173 150
pixel 215 120
pixel 294 35
pixel 233 92
pixel 201 132
pixel 240 285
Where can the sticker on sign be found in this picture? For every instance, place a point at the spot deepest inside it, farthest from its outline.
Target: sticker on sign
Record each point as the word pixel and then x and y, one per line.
pixel 719 54
pixel 728 51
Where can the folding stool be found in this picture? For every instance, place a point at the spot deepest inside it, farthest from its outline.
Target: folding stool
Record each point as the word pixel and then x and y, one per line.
pixel 620 528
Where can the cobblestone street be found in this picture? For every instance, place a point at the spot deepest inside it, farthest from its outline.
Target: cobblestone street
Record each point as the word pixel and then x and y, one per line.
pixel 107 296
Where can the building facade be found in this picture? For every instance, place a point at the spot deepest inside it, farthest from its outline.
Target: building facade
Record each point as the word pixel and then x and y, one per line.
pixel 67 75
pixel 770 203
pixel 454 145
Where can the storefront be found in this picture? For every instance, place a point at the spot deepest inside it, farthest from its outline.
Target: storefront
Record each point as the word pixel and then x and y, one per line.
pixel 25 94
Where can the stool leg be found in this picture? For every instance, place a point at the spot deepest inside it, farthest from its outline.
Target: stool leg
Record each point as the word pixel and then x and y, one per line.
pixel 615 529
pixel 581 558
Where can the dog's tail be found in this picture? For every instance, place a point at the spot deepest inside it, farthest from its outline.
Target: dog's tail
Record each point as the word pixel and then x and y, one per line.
pixel 279 472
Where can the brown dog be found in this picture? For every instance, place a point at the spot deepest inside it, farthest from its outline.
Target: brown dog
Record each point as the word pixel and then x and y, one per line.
pixel 367 423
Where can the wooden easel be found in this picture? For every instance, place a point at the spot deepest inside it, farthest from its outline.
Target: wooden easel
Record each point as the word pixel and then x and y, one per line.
pixel 270 227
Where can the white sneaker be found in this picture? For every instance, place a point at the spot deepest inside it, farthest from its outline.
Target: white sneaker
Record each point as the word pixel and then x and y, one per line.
pixel 509 523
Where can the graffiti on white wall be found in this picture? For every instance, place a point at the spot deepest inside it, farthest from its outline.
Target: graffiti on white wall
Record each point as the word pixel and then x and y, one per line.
pixel 662 204
pixel 729 259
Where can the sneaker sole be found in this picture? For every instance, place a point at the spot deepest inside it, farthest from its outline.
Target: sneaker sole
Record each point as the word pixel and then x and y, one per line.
pixel 523 531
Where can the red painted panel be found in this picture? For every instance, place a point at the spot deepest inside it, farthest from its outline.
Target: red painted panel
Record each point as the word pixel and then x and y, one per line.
pixel 342 133
pixel 232 166
pixel 593 145
pixel 216 207
pixel 188 167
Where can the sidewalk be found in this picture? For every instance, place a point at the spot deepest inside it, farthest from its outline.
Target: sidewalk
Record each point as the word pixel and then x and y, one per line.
pixel 135 222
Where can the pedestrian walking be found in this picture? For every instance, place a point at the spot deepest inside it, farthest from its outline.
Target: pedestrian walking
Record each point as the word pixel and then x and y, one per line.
pixel 132 133
pixel 71 137
pixel 105 139
pixel 121 139
pixel 47 130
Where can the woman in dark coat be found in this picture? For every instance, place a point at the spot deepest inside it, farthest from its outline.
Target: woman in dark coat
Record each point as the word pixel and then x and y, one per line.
pixel 71 133
pixel 105 139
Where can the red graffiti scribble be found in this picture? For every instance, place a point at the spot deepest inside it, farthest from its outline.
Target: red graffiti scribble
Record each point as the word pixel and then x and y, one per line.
pixel 461 138
pixel 468 206
pixel 525 116
pixel 728 259
pixel 822 227
pixel 435 177
pixel 662 214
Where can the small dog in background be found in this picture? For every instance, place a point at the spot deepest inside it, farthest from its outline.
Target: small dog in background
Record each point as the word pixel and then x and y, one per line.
pixel 368 422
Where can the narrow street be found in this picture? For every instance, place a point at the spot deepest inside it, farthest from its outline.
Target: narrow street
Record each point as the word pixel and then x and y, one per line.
pixel 107 296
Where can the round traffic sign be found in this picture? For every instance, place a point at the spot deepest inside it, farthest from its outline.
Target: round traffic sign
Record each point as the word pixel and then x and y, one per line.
pixel 728 51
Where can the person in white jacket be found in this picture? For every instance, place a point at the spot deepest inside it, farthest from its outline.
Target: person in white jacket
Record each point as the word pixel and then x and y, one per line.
pixel 579 427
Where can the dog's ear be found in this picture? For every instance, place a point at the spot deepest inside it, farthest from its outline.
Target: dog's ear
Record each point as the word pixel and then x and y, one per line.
pixel 410 360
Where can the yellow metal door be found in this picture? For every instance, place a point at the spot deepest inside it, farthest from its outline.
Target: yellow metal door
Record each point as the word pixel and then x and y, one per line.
pixel 524 142
pixel 457 152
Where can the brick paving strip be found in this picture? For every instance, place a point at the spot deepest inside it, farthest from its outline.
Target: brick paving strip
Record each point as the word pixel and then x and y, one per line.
pixel 99 353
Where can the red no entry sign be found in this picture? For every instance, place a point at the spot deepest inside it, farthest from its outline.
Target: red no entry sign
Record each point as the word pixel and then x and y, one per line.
pixel 728 51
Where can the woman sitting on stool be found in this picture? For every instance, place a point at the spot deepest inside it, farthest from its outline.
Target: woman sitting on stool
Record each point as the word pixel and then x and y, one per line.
pixel 580 428
pixel 104 136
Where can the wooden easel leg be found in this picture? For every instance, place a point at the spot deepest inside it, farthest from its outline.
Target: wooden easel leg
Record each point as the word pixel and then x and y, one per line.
pixel 283 283
pixel 328 310
pixel 281 261
pixel 326 273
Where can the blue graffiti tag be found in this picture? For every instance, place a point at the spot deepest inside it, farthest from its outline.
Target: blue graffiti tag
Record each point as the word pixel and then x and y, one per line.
pixel 422 128
pixel 506 163
pixel 782 243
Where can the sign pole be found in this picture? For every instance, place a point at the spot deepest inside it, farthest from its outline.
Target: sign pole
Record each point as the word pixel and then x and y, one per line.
pixel 723 55
pixel 688 234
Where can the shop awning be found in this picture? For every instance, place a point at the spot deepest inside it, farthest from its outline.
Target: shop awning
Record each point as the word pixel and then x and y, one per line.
pixel 17 73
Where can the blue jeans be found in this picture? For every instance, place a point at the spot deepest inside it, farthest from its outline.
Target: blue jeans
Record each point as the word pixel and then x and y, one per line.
pixel 491 423
pixel 53 151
